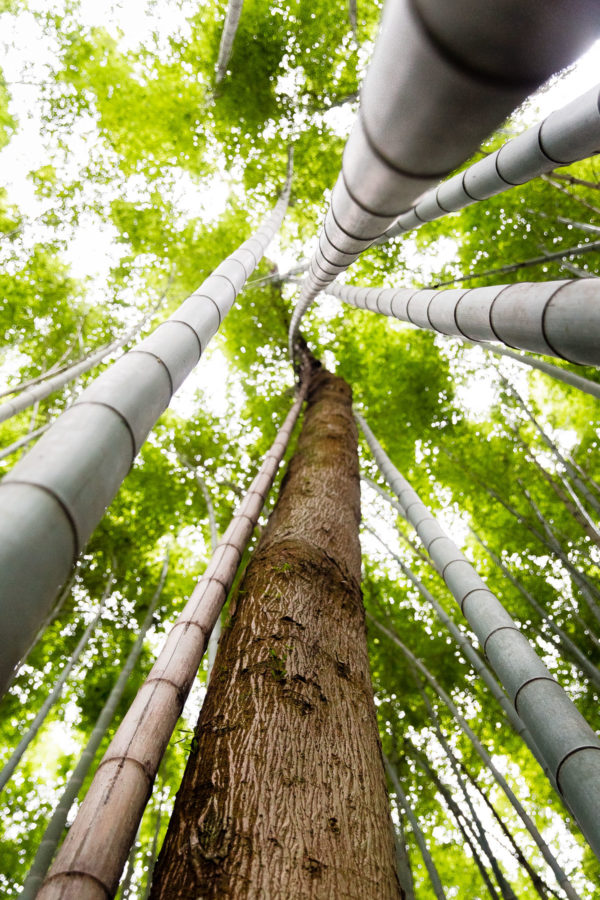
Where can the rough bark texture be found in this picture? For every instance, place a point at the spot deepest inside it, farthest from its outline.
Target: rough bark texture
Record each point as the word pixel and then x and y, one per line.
pixel 284 793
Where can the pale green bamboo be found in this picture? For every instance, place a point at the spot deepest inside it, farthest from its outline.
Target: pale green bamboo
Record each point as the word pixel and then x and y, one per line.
pixel 232 20
pixel 55 827
pixel 436 883
pixel 559 873
pixel 585 666
pixel 55 693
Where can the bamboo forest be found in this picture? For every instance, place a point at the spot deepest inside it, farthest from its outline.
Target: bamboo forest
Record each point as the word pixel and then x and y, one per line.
pixel 299 446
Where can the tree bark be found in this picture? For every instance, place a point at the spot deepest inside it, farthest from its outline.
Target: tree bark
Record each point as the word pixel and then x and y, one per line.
pixel 284 793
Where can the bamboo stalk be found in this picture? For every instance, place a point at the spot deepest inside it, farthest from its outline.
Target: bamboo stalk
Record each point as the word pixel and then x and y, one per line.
pixel 460 820
pixel 56 495
pixel 56 691
pixel 424 112
pixel 230 25
pixel 583 663
pixel 95 850
pixel 479 666
pixel 576 127
pixel 56 825
pixel 403 801
pixel 553 318
pixel 570 748
pixel 559 873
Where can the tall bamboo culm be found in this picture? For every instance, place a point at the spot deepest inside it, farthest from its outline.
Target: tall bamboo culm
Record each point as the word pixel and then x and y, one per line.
pixel 56 825
pixel 56 691
pixel 425 111
pixel 52 500
pixel 553 318
pixel 90 862
pixel 569 747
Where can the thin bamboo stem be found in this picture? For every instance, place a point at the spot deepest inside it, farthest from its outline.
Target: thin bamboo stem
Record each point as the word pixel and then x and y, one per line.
pixel 99 840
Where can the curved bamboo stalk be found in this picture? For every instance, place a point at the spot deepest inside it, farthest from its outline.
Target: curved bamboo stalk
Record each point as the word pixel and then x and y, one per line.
pixel 403 801
pixel 95 850
pixel 56 495
pixel 353 19
pixel 52 615
pixel 405 875
pixel 479 831
pixel 554 449
pixel 546 538
pixel 230 25
pixel 563 490
pixel 424 112
pixel 570 748
pixel 40 389
pixel 539 884
pixel 55 827
pixel 571 133
pixel 586 588
pixel 23 441
pixel 559 873
pixel 125 885
pixel 55 367
pixel 56 691
pixel 478 665
pixel 153 851
pixel 578 250
pixel 583 663
pixel 554 318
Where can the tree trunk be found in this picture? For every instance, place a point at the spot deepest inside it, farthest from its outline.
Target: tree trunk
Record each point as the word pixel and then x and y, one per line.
pixel 285 789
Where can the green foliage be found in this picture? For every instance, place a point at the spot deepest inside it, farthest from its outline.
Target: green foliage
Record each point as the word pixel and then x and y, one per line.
pixel 140 144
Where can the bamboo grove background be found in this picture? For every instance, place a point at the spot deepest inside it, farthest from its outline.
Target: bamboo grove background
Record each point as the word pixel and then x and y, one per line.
pixel 134 136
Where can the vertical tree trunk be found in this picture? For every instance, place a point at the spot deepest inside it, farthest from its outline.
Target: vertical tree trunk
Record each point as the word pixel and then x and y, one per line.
pixel 284 793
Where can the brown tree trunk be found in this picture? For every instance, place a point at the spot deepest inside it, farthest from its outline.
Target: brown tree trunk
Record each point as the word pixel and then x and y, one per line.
pixel 284 793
